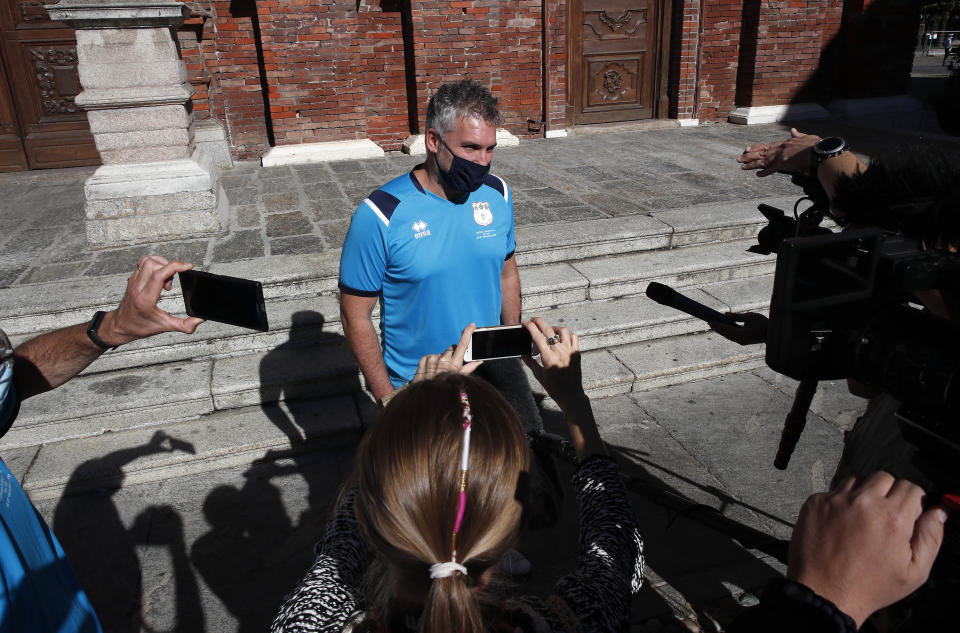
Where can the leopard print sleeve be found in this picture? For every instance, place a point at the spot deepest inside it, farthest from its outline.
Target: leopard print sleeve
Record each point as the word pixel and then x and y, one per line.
pixel 610 567
pixel 326 597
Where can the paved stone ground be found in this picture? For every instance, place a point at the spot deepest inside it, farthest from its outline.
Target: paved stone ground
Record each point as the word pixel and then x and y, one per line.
pixel 216 552
pixel 305 209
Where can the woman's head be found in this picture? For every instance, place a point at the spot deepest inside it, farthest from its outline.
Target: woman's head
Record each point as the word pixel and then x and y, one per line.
pixel 408 477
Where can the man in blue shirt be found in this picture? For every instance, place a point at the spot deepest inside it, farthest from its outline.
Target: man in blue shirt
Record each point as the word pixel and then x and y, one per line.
pixel 434 247
pixel 38 589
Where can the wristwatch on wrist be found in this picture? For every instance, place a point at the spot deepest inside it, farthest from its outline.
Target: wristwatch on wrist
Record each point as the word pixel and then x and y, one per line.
pixel 92 332
pixel 828 147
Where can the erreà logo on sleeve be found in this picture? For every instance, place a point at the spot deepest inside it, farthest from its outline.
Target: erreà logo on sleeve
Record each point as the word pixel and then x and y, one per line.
pixel 420 229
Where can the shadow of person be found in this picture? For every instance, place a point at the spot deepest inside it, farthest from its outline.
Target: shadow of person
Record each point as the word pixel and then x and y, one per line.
pixel 312 364
pixel 96 541
pixel 253 555
pixel 162 526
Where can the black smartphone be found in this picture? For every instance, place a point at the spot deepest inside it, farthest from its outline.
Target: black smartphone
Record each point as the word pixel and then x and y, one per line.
pixel 502 341
pixel 225 299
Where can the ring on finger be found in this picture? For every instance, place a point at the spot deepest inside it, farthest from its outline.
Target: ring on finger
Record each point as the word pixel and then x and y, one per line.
pixel 553 340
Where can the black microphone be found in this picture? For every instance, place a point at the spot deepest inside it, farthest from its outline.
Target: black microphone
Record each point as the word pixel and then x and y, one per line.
pixel 667 296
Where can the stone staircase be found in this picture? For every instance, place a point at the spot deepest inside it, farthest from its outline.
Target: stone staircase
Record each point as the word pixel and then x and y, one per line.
pixel 227 396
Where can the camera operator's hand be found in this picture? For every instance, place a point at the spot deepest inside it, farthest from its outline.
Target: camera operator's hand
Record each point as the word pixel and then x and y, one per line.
pixel 753 330
pixel 865 546
pixel 450 361
pixel 792 155
pixel 560 375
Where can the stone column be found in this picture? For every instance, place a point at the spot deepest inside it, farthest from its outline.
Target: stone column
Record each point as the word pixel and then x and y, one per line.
pixel 156 183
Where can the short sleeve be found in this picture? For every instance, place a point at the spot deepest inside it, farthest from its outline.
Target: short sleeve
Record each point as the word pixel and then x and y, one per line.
pixel 499 185
pixel 364 257
pixel 9 402
pixel 511 240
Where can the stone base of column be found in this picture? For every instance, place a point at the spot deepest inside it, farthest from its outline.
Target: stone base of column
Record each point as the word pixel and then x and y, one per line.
pixel 151 202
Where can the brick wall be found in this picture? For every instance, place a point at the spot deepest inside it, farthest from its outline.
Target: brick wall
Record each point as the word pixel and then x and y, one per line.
pixel 876 54
pixel 229 48
pixel 782 46
pixel 498 43
pixel 684 59
pixel 556 63
pixel 719 53
pixel 773 52
pixel 335 70
pixel 295 71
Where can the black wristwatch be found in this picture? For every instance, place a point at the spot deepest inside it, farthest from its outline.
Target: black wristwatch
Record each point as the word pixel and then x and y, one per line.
pixel 92 330
pixel 828 147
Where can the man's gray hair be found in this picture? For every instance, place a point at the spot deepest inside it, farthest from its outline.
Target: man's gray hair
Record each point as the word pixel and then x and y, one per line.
pixel 462 99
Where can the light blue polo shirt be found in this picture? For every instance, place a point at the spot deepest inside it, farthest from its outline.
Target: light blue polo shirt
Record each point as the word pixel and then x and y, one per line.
pixel 434 264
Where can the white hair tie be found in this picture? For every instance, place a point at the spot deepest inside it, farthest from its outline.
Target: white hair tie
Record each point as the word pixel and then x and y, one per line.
pixel 443 570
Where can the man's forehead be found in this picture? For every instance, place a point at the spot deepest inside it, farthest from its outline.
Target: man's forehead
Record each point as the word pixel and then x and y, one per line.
pixel 476 129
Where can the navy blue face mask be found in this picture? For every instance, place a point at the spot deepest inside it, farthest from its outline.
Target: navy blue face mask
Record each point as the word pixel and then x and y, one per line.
pixel 463 175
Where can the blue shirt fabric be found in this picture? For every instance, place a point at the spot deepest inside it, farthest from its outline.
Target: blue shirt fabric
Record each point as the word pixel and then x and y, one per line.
pixel 38 590
pixel 435 265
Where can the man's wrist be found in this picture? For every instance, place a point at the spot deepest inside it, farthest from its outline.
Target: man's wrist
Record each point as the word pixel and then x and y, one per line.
pixel 109 333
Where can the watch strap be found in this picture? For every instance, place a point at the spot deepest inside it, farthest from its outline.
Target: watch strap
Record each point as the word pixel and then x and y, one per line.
pixel 93 329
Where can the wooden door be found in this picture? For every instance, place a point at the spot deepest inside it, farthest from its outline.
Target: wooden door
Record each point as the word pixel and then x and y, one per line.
pixel 39 62
pixel 614 58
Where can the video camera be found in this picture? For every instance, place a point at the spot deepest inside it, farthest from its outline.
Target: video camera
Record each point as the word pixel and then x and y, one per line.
pixel 844 305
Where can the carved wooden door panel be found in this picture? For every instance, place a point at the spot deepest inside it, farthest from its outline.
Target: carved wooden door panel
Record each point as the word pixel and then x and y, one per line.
pixel 12 156
pixel 613 59
pixel 40 62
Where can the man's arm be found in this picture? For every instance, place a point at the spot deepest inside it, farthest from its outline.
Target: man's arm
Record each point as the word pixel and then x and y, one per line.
pixel 49 360
pixel 356 316
pixel 795 155
pixel 510 302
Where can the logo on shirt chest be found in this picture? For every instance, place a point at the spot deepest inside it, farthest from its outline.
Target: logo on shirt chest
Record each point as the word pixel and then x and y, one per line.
pixel 482 214
pixel 420 229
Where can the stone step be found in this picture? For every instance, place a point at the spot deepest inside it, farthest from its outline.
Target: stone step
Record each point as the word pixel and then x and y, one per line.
pixel 285 431
pixel 315 320
pixel 34 308
pixel 221 440
pixel 152 396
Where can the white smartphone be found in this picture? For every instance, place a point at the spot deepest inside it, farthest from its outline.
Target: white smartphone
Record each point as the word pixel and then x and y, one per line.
pixel 501 341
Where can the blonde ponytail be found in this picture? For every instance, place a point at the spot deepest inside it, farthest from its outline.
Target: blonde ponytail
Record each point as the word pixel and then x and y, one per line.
pixel 409 493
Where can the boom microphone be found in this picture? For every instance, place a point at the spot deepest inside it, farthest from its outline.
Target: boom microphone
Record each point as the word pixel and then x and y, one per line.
pixel 667 296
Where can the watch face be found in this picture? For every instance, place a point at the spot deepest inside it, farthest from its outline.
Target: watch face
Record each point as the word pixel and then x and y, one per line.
pixel 830 144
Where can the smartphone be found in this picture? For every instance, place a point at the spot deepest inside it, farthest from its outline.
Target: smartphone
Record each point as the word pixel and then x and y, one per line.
pixel 225 299
pixel 502 341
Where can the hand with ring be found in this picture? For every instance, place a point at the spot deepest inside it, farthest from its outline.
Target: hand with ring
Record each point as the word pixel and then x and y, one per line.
pixel 559 367
pixel 450 360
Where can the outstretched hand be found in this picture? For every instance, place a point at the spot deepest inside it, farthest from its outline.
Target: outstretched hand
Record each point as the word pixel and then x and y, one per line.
pixel 138 315
pixel 866 546
pixel 450 361
pixel 792 155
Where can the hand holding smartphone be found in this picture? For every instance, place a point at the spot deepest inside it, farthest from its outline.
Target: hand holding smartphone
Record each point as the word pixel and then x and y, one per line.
pixel 230 300
pixel 501 341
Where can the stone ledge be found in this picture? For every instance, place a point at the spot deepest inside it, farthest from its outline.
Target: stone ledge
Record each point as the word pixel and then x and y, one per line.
pixel 114 14
pixel 107 98
pixel 756 115
pixel 306 153
pixel 415 145
pixel 121 181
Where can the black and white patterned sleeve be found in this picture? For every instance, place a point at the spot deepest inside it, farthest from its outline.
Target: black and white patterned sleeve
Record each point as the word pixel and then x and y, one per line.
pixel 329 594
pixel 610 567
